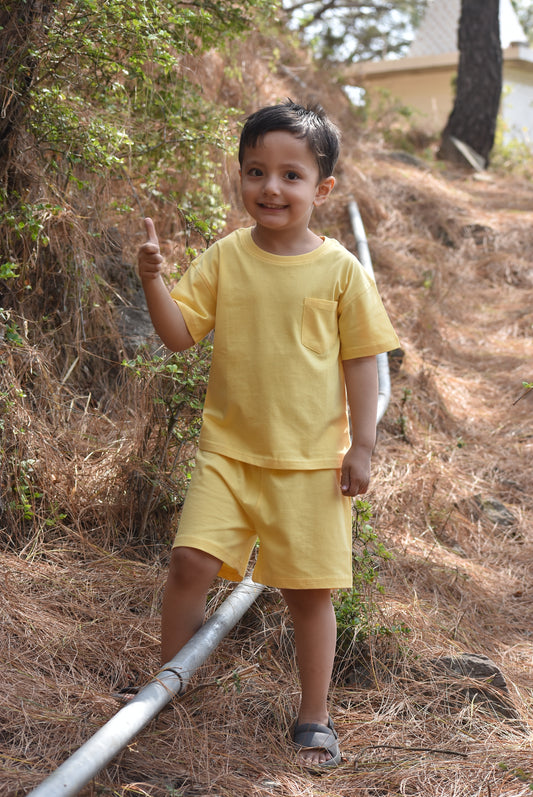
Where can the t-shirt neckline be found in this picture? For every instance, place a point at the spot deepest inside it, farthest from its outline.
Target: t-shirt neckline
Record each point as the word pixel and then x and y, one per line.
pixel 256 250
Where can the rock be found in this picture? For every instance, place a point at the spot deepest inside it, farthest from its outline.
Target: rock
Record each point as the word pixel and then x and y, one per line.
pixel 496 512
pixel 489 509
pixel 491 692
pixel 136 327
pixel 408 159
pixel 473 665
pixel 479 233
pixel 395 358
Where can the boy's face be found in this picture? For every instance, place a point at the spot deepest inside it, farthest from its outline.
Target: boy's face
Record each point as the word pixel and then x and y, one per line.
pixel 280 183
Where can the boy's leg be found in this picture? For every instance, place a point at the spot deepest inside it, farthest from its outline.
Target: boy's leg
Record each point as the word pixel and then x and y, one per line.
pixel 315 632
pixel 190 575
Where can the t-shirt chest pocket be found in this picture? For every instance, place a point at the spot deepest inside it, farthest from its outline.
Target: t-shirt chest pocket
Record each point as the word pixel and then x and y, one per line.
pixel 319 325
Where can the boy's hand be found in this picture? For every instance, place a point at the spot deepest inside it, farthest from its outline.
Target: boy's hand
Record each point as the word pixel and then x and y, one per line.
pixel 149 258
pixel 355 473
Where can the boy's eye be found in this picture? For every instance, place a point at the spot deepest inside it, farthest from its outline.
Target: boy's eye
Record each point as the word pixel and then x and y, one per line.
pixel 292 176
pixel 255 172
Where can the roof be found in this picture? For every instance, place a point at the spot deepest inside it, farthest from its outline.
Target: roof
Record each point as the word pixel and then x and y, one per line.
pixel 437 33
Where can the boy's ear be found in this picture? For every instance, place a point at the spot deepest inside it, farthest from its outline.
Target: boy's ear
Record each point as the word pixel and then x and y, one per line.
pixel 323 190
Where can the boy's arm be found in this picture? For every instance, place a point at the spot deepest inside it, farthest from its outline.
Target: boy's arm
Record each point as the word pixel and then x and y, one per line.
pixel 166 316
pixel 361 378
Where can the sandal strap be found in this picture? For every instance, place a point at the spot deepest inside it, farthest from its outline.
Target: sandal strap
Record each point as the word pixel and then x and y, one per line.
pixel 314 735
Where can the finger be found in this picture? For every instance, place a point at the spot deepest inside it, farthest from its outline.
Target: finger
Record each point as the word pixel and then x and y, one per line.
pixel 353 486
pixel 151 251
pixel 150 231
pixel 345 480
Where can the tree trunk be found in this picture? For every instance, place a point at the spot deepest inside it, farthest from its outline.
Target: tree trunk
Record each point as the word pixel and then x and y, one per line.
pixel 479 81
pixel 21 25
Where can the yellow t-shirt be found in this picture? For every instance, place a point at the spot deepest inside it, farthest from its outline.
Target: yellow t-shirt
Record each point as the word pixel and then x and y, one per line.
pixel 276 395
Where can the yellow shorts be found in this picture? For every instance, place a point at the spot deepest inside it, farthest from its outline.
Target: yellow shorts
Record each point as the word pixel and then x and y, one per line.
pixel 300 517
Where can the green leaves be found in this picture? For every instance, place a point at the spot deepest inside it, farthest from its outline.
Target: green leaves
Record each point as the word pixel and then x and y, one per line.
pixel 110 92
pixel 9 270
pixel 355 30
pixel 24 226
pixel 178 383
pixel 104 109
pixel 354 608
pixel 527 387
pixel 9 330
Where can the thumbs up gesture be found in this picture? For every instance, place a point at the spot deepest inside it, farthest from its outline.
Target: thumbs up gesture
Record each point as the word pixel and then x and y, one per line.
pixel 149 258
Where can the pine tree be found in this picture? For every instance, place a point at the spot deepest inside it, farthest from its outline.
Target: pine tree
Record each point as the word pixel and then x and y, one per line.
pixel 479 81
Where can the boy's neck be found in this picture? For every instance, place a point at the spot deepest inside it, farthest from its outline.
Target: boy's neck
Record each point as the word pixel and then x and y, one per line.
pixel 285 245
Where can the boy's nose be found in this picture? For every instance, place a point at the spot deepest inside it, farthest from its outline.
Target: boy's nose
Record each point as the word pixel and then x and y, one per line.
pixel 271 185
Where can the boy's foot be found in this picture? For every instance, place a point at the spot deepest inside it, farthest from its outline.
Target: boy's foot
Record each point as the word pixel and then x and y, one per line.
pixel 317 745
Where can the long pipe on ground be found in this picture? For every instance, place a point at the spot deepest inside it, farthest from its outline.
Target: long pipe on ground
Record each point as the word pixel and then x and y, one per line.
pixel 171 680
pixel 363 253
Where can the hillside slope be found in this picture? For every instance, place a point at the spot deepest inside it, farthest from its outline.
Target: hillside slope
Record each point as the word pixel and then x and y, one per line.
pixel 452 502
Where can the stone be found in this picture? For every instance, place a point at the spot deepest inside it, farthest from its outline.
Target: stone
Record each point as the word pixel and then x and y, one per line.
pixel 492 690
pixel 477 507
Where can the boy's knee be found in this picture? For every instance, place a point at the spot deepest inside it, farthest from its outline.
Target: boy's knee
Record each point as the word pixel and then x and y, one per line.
pixel 191 564
pixel 307 600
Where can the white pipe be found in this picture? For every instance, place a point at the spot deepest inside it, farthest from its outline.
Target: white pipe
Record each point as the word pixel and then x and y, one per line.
pixel 171 680
pixel 363 253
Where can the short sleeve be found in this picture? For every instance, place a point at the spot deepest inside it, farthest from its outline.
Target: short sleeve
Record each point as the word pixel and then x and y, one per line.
pixel 196 294
pixel 364 326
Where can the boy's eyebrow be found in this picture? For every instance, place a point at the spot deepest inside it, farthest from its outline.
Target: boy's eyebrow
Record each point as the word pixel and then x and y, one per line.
pixel 287 165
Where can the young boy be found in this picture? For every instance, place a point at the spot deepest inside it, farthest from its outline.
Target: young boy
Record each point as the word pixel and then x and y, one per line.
pixel 297 326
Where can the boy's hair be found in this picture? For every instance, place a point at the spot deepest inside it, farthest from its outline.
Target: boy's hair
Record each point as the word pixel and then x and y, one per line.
pixel 310 123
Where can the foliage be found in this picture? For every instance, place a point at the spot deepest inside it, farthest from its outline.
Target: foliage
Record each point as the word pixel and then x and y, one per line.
pixel 354 608
pixel 355 30
pixel 24 225
pixel 26 508
pixel 388 116
pixel 177 383
pixel 527 387
pixel 524 11
pixel 103 111
pixel 105 88
pixel 510 154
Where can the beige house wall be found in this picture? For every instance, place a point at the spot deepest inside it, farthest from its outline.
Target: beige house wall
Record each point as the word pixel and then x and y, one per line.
pixel 429 93
pixel 517 105
pixel 426 85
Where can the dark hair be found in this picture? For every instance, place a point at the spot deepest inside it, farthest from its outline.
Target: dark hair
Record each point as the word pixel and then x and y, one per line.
pixel 310 123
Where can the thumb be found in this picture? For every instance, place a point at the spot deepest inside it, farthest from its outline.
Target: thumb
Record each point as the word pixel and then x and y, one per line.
pixel 150 231
pixel 345 478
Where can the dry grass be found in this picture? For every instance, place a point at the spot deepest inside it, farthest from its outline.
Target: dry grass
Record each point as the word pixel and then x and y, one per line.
pixel 80 605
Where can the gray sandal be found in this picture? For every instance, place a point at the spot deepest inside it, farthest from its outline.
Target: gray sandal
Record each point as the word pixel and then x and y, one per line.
pixel 313 736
